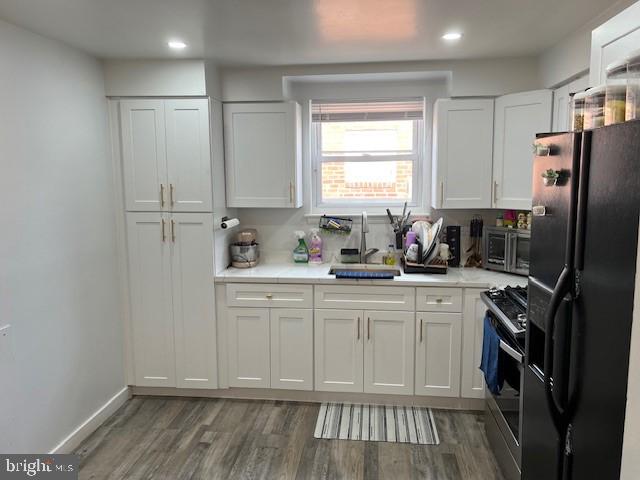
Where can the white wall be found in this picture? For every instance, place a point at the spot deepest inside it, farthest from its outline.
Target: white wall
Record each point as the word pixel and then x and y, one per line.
pixel 154 78
pixel 58 281
pixel 489 77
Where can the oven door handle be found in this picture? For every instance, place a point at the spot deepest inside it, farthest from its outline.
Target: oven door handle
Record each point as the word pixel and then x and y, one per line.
pixel 512 352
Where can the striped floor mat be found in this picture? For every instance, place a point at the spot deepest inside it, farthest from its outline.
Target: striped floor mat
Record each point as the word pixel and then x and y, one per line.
pixel 376 423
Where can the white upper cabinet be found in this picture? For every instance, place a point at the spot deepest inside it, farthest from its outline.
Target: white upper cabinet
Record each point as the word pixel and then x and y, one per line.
pixel 166 155
pixel 143 154
pixel 614 40
pixel 188 155
pixel 518 118
pixel 462 153
pixel 561 101
pixel 190 236
pixel 263 154
pixel 388 352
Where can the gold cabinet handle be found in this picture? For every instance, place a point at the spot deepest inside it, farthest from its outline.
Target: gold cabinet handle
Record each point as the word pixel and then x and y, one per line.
pixel 368 328
pixel 164 235
pixel 173 230
pixel 420 330
pixel 442 194
pixel 161 195
pixel 358 328
pixel 495 191
pixel 439 300
pixel 291 192
pixel 269 296
pixel 171 190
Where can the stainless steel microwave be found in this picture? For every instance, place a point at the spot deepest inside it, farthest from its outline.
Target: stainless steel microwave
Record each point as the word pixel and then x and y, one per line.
pixel 506 249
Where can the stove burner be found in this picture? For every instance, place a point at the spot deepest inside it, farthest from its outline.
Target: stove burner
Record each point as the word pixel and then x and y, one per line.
pixel 509 304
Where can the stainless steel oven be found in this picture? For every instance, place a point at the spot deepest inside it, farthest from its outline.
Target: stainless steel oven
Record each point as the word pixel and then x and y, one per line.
pixel 506 249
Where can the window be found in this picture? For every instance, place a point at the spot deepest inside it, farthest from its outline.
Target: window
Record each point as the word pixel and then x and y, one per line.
pixel 367 153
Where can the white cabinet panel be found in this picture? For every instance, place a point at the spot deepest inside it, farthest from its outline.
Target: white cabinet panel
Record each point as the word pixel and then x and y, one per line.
pixel 518 118
pixel 438 354
pixel 193 300
pixel 151 315
pixel 291 348
pixel 338 350
pixel 463 149
pixel 263 154
pixel 561 109
pixel 373 298
pixel 472 382
pixel 612 41
pixel 431 299
pixel 143 154
pixel 248 349
pixel 269 295
pixel 188 155
pixel 388 352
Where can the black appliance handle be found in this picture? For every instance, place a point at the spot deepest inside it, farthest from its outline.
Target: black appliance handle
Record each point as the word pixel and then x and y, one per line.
pixel 583 190
pixel 563 286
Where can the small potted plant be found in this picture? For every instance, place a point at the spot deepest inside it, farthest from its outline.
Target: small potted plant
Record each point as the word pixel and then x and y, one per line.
pixel 550 177
pixel 541 150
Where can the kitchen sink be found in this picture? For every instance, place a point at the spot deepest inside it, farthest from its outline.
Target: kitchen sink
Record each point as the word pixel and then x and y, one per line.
pixel 362 267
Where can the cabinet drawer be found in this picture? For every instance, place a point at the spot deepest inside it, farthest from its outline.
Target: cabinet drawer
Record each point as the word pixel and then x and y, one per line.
pixel 365 298
pixel 259 295
pixel 429 299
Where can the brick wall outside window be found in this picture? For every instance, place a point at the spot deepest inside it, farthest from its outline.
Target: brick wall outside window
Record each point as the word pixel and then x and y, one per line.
pixel 335 187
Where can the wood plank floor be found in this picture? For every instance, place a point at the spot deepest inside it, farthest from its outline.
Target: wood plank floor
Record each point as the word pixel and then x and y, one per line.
pixel 189 438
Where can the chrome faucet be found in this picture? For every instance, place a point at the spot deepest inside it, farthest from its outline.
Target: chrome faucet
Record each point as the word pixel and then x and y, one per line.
pixel 364 253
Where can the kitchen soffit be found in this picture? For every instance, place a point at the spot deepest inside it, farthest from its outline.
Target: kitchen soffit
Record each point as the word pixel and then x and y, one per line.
pixel 278 32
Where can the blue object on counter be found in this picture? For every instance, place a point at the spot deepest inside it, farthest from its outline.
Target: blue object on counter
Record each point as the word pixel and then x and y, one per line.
pixel 490 354
pixel 366 275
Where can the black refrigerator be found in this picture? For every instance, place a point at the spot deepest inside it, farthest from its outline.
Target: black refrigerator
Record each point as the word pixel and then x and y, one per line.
pixel 584 245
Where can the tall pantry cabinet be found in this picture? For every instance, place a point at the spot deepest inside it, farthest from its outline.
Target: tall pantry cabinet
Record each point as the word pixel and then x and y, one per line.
pixel 165 164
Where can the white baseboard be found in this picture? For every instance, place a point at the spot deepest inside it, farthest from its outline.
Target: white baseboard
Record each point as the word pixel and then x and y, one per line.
pixel 447 403
pixel 86 428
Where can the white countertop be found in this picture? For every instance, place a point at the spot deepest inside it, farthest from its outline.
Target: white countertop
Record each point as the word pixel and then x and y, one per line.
pixel 319 274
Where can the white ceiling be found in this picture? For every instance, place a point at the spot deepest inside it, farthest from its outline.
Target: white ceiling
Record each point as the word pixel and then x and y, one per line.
pixel 290 32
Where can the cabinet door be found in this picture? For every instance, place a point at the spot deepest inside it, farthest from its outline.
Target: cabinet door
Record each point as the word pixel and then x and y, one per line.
pixel 191 236
pixel 561 109
pixel 338 350
pixel 472 383
pixel 388 352
pixel 463 149
pixel 150 283
pixel 144 161
pixel 188 155
pixel 263 154
pixel 438 354
pixel 291 348
pixel 248 348
pixel 519 117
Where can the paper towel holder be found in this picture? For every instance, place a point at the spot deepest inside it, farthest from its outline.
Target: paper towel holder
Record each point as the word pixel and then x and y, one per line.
pixel 229 222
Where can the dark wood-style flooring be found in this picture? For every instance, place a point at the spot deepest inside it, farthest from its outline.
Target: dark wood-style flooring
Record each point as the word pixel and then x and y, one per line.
pixel 189 438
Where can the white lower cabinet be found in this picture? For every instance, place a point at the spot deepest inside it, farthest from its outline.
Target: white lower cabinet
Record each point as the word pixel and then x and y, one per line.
pixel 270 348
pixel 338 350
pixel 472 382
pixel 388 352
pixel 438 338
pixel 291 348
pixel 248 330
pixel 364 351
pixel 172 298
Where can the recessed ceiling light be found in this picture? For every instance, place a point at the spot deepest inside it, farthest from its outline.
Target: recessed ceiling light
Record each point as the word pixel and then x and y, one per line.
pixel 452 36
pixel 177 44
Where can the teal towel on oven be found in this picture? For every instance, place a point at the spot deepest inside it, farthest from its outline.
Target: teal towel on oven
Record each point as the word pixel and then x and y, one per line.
pixel 490 356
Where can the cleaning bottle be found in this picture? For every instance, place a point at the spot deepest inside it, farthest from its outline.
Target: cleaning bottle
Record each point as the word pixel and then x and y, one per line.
pixel 315 247
pixel 301 252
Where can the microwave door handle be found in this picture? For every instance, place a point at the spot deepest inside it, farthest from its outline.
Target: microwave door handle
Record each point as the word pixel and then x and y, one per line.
pixel 507 252
pixel 513 250
pixel 512 352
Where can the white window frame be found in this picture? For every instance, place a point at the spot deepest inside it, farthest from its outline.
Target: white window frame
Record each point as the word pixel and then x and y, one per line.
pixel 375 206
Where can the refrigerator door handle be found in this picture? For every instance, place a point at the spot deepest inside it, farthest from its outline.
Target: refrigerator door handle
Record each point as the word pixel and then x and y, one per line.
pixel 583 190
pixel 563 286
